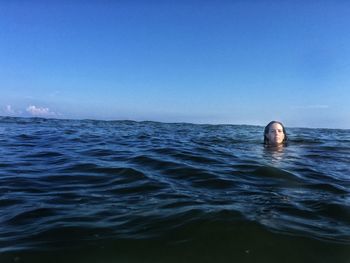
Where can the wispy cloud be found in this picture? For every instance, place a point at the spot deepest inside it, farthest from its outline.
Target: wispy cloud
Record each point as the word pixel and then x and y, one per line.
pixel 55 93
pixel 311 107
pixel 40 111
pixel 10 111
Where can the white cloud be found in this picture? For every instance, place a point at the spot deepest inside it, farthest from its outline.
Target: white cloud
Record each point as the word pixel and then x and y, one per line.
pixel 39 111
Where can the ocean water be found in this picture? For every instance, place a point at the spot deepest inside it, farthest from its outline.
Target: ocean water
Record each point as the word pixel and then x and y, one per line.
pixel 124 191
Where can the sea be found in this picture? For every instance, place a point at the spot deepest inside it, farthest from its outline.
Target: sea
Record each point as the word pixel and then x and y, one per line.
pixel 127 191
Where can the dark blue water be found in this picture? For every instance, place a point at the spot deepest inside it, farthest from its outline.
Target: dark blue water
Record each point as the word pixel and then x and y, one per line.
pixel 123 191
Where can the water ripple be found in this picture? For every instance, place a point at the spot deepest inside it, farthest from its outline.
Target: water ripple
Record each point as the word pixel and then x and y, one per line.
pixel 80 183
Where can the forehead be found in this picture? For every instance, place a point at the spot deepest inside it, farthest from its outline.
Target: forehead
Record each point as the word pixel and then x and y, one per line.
pixel 276 126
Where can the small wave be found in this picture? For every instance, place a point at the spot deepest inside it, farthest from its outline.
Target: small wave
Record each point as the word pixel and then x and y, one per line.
pixel 30 216
pixel 44 154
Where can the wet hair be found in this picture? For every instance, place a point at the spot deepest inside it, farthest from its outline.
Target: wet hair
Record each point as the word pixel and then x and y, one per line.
pixel 266 131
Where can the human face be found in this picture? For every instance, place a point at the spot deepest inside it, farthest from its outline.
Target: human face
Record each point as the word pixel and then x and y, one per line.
pixel 275 134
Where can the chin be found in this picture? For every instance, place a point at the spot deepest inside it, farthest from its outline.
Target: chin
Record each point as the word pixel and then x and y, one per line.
pixel 276 144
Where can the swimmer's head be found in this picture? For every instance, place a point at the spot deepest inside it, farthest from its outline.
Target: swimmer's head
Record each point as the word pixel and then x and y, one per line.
pixel 275 134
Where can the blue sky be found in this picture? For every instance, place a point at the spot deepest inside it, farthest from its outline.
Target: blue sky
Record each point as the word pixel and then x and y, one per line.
pixel 235 62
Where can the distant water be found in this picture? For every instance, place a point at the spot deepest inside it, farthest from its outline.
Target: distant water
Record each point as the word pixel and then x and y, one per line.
pixel 124 191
